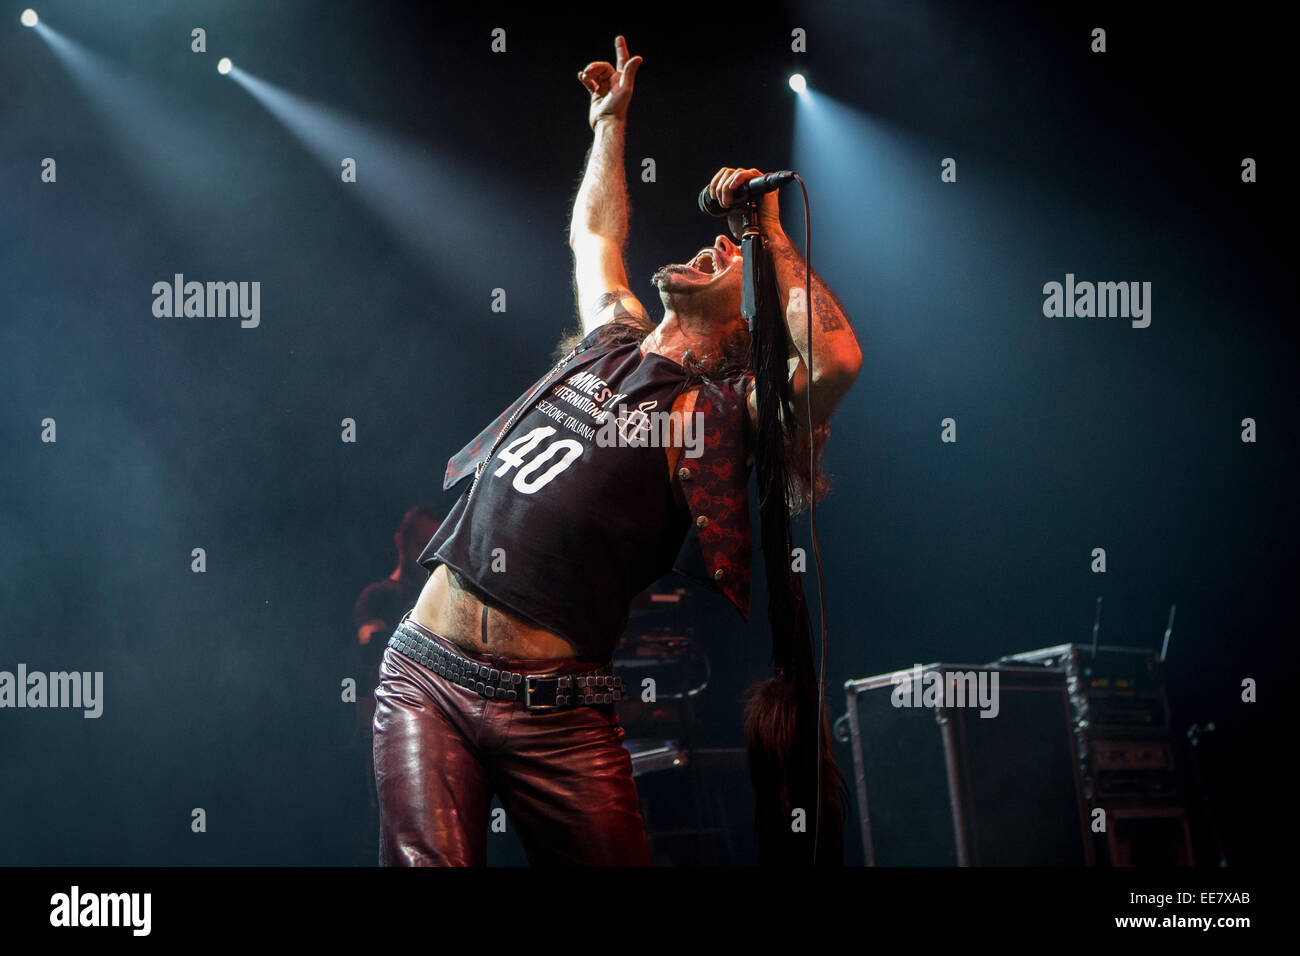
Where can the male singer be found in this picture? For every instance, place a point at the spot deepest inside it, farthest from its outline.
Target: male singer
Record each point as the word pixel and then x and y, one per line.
pixel 499 681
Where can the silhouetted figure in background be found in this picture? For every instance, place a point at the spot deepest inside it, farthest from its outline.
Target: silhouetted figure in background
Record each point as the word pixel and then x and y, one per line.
pixel 377 611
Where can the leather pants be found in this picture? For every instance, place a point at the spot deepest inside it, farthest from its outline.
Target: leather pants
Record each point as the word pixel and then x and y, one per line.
pixel 441 752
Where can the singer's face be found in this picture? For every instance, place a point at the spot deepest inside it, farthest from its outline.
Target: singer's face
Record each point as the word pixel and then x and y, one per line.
pixel 707 285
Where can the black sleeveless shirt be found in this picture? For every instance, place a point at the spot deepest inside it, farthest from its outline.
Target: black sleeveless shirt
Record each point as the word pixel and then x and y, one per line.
pixel 575 513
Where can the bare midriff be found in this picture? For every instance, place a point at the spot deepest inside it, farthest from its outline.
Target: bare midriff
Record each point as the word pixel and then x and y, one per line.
pixel 453 611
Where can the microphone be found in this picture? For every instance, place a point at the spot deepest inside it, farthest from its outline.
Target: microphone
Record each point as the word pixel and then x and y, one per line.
pixel 750 190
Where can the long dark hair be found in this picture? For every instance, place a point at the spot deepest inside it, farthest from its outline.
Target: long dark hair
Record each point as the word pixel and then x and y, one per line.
pixel 786 734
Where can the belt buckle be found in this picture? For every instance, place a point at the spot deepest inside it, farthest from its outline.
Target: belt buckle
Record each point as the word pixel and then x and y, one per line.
pixel 532 708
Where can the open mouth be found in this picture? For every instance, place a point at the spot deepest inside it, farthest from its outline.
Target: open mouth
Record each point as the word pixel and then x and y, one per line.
pixel 705 261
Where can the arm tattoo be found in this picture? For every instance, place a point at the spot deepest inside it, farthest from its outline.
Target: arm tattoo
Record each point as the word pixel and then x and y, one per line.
pixel 830 314
pixel 634 316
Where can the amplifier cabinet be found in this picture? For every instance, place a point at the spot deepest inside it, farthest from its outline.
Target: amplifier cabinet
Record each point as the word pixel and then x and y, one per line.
pixel 1126 749
pixel 1115 687
pixel 939 784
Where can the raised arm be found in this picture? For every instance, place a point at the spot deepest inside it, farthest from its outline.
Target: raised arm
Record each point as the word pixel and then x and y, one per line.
pixel 598 227
pixel 836 355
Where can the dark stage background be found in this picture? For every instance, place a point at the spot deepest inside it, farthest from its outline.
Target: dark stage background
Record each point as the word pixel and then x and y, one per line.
pixel 222 689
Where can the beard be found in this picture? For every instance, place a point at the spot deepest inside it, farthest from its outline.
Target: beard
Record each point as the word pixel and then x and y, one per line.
pixel 664 274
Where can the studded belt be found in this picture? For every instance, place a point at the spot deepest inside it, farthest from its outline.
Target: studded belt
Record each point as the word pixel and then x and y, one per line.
pixel 537 692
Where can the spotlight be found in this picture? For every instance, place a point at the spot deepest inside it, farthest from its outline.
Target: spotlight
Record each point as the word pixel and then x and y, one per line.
pixel 224 65
pixel 798 83
pixel 29 18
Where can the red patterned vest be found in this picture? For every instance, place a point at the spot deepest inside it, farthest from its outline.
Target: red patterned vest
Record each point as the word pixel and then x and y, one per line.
pixel 715 485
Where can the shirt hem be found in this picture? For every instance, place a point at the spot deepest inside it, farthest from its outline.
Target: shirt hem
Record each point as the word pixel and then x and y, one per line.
pixel 526 618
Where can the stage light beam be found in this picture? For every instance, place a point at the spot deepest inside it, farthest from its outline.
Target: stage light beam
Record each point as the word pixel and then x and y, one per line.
pixel 798 83
pixel 404 183
pixel 29 18
pixel 224 65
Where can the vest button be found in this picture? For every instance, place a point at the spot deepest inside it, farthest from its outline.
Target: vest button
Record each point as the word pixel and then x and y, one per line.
pixel 701 521
pixel 683 473
pixel 719 574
